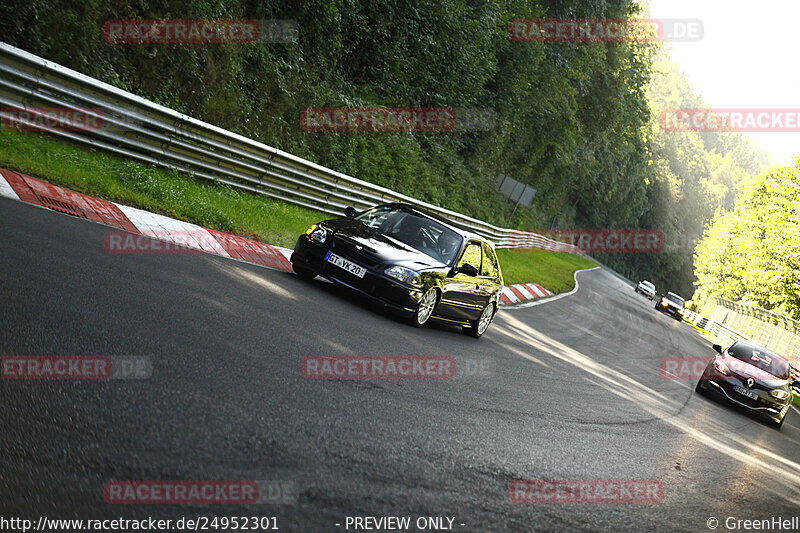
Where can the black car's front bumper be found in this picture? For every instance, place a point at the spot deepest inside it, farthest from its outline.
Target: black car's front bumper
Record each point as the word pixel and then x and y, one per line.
pixel 723 387
pixel 674 312
pixel 375 284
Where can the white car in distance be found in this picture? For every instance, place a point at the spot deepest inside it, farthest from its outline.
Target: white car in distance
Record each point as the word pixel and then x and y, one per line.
pixel 646 288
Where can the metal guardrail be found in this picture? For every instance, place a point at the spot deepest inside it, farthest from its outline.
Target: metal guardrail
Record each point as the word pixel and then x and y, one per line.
pixel 782 321
pixel 721 333
pixel 137 128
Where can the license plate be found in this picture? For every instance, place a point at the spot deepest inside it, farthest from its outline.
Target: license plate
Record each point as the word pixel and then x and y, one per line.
pixel 744 392
pixel 344 264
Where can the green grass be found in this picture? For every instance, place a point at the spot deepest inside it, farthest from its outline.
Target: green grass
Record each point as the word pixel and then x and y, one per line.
pixel 796 401
pixel 181 196
pixel 702 331
pixel 164 191
pixel 552 270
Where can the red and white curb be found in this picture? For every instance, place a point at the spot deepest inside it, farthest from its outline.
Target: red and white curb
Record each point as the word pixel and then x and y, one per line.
pixel 553 298
pixel 37 192
pixel 514 294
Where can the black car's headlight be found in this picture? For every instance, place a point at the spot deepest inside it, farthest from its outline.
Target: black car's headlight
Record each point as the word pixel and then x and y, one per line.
pixel 406 275
pixel 779 394
pixel 317 233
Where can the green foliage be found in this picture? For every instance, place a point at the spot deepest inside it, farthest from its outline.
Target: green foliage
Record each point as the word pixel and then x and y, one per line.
pixel 574 120
pixel 571 117
pixel 751 253
pixel 691 176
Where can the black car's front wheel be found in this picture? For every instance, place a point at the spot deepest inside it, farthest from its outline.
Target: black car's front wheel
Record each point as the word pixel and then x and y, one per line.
pixel 479 327
pixel 305 273
pixel 425 307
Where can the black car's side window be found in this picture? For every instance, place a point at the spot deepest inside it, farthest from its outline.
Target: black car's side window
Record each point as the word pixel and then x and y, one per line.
pixel 471 255
pixel 490 268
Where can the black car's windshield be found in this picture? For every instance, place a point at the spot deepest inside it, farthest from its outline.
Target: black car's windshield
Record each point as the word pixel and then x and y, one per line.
pixel 761 359
pixel 674 298
pixel 421 233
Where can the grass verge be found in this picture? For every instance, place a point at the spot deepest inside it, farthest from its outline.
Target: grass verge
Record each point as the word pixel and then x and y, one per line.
pixel 181 196
pixel 699 330
pixel 552 270
pixel 155 189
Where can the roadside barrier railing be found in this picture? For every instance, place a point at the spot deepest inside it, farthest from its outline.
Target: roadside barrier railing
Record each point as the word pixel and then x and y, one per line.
pixel 133 127
pixel 721 333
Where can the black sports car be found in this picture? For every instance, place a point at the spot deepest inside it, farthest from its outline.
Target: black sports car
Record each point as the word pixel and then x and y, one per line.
pixel 752 377
pixel 407 259
pixel 671 304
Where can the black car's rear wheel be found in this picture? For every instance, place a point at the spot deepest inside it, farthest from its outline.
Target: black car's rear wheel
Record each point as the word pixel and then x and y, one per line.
pixel 426 306
pixel 305 273
pixel 479 327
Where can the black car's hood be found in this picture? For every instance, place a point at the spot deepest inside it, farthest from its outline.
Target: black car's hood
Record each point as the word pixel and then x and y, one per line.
pixel 385 249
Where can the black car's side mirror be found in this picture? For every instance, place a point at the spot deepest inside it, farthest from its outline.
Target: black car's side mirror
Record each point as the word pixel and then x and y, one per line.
pixel 468 270
pixel 350 211
pixel 717 348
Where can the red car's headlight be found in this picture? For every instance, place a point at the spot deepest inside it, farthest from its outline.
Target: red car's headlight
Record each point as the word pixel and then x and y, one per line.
pixel 779 394
pixel 721 367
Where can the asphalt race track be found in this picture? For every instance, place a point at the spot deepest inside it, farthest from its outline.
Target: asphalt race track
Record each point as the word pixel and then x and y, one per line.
pixel 565 390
